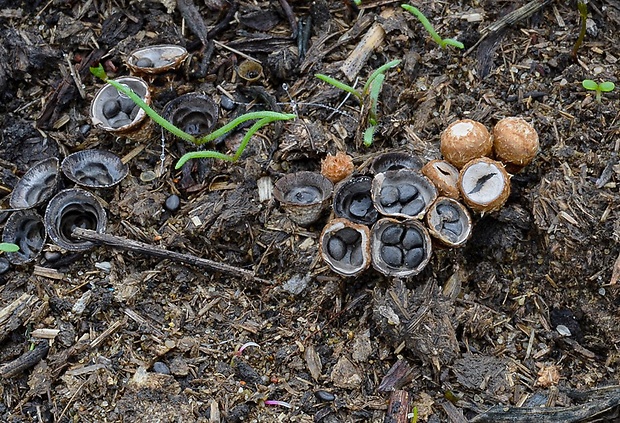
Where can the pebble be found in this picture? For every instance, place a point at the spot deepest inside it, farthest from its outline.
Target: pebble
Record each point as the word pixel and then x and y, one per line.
pixel 357 255
pixel 413 207
pixel 348 235
pixel 392 235
pixel 227 103
pixel 127 104
pixel 392 255
pixel 455 227
pixel 413 258
pixel 324 396
pixel 111 108
pixel 407 192
pixel 52 256
pixel 336 248
pixel 412 239
pixel 388 195
pixel 160 367
pixel 144 62
pixel 172 203
pixel 360 206
pixel 448 213
pixel 4 265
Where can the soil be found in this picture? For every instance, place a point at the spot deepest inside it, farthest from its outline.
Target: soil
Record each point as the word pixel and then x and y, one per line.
pixel 524 316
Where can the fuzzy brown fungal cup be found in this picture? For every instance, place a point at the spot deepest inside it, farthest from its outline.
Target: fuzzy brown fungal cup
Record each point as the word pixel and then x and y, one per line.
pixel 515 143
pixel 444 176
pixel 484 184
pixel 336 168
pixel 465 140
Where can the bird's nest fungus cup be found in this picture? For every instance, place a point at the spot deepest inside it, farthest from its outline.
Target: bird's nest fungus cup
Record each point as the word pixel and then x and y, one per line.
pixel 157 59
pixel 400 248
pixel 449 222
pixel 70 209
pixel 26 229
pixel 303 195
pixel 94 168
pixel 403 193
pixel 194 113
pixel 37 185
pixel 352 200
pixel 345 247
pixel 116 113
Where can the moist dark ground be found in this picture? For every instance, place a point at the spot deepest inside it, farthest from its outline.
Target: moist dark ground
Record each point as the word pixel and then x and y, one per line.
pixel 152 340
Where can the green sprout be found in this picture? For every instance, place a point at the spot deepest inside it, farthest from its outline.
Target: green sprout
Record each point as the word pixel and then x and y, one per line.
pixel 582 6
pixel 370 92
pixel 8 247
pixel 603 87
pixel 443 42
pixel 263 118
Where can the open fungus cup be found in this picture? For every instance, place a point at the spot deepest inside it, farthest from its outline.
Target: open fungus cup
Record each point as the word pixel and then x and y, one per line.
pixel 403 193
pixel 153 60
pixel 94 168
pixel 70 209
pixel 449 222
pixel 26 229
pixel 193 113
pixel 37 185
pixel 353 201
pixel 303 195
pixel 345 247
pixel 116 113
pixel 400 248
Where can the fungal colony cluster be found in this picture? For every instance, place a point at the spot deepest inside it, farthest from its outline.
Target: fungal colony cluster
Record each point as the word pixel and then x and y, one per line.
pixel 391 218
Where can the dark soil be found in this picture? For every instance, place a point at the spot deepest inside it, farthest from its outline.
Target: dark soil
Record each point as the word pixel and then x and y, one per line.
pixel 524 315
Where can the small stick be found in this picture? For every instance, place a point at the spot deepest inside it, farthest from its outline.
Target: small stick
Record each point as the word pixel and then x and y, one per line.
pixel 140 247
pixel 25 361
pixel 398 408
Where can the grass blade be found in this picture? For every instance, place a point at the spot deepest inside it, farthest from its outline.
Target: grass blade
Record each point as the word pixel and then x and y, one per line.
pixel 339 84
pixel 380 71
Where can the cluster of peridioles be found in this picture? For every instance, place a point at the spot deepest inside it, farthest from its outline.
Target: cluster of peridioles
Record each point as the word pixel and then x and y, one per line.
pixel 391 218
pixel 151 69
pixel 63 210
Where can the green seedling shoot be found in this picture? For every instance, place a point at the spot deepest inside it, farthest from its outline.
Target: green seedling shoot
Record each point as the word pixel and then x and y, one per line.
pixel 582 6
pixel 443 42
pixel 603 87
pixel 262 118
pixel 370 92
pixel 8 247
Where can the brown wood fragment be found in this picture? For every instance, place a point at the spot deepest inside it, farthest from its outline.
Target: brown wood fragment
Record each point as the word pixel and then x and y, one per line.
pixel 615 273
pixel 15 314
pixel 25 361
pixel 399 375
pixel 106 333
pixel 142 248
pixel 511 18
pixel 454 414
pixel 596 403
pixel 398 409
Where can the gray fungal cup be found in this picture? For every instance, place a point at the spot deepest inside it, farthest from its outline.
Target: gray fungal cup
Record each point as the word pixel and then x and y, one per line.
pixel 398 248
pixel 94 168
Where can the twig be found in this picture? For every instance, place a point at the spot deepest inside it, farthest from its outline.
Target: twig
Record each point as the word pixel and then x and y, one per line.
pixel 510 19
pixel 25 361
pixel 140 247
